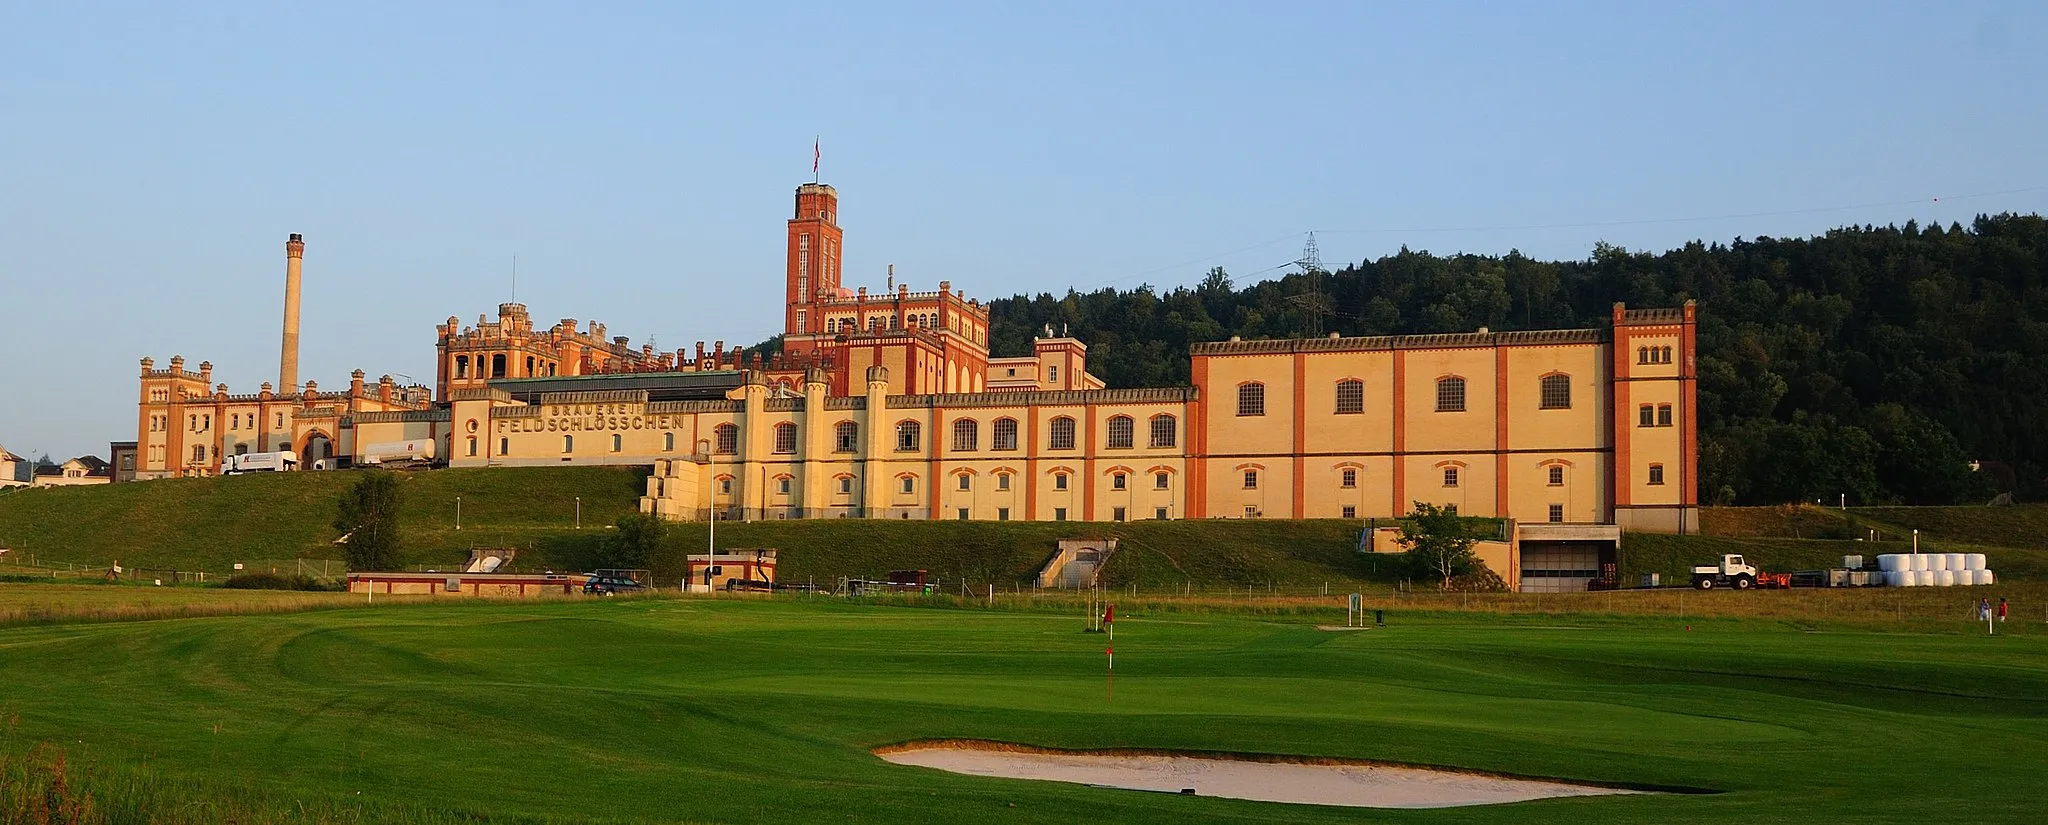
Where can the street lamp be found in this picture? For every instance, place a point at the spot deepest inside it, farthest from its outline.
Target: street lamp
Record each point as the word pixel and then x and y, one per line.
pixel 458 512
pixel 579 512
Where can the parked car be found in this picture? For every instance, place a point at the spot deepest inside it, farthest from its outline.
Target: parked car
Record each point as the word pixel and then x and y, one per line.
pixel 607 585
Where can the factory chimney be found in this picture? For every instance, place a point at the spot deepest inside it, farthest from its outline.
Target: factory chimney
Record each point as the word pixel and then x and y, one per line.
pixel 288 363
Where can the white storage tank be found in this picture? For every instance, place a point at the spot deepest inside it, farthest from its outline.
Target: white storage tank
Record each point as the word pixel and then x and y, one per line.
pixel 1974 561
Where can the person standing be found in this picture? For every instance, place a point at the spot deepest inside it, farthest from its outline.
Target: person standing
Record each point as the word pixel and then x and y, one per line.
pixel 2002 607
pixel 1984 610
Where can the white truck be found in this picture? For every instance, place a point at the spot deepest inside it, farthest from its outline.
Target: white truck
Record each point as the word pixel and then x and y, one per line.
pixel 281 461
pixel 1732 572
pixel 398 452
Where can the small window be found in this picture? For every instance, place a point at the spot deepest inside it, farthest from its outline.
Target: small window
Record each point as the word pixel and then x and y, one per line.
pixel 1059 481
pixel 1251 399
pixel 529 365
pixel 1062 434
pixel 568 443
pixel 725 486
pixel 1450 394
pixel 1450 476
pixel 472 445
pixel 785 437
pixel 1556 473
pixel 1059 514
pixel 1663 415
pixel 845 437
pixel 498 366
pixel 725 439
pixel 1120 432
pixel 1350 397
pixel 1350 477
pixel 1557 392
pixel 1052 374
pixel 1002 514
pixel 462 366
pixel 1350 511
pixel 966 483
pixel 1251 511
pixel 1003 481
pixel 1251 479
pixel 966 435
pixel 909 484
pixel 280 421
pixel 668 442
pixel 1159 514
pixel 963 513
pixel 1118 481
pixel 1556 514
pixel 1161 480
pixel 907 436
pixel 782 485
pixel 452 585
pixel 1642 355
pixel 845 486
pixel 504 446
pixel 1165 431
pixel 1116 514
pixel 618 442
pixel 1003 434
pixel 207 423
pixel 1656 474
pixel 1646 416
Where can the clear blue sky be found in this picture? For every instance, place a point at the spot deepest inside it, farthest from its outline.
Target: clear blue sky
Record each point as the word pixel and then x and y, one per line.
pixel 639 159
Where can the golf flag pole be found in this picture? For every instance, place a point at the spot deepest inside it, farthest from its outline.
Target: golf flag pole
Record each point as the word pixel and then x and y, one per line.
pixel 1109 621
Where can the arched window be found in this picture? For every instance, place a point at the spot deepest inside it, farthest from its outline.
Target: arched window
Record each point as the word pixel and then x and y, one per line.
pixel 1350 397
pixel 1557 392
pixel 504 446
pixel 1554 475
pixel 966 435
pixel 618 442
pixel 498 365
pixel 785 437
pixel 908 436
pixel 1120 435
pixel 1061 434
pixel 1450 394
pixel 462 366
pixel 1165 431
pixel 1251 399
pixel 568 443
pixel 472 445
pixel 668 442
pixel 845 437
pixel 725 439
pixel 1003 434
pixel 529 365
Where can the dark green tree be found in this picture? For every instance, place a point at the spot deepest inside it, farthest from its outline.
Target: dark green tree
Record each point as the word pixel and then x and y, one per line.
pixel 635 540
pixel 1439 541
pixel 368 522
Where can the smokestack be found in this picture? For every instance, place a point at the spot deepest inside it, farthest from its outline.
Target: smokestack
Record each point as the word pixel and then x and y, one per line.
pixel 288 363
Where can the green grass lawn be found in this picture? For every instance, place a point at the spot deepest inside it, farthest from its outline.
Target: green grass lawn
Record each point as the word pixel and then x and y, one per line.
pixel 659 710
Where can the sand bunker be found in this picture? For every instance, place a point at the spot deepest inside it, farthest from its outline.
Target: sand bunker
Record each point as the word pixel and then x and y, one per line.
pixel 1355 785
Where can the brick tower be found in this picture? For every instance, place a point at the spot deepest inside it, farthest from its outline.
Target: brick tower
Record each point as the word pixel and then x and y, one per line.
pixel 813 262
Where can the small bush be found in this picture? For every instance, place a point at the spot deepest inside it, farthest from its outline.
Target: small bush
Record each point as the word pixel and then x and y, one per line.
pixel 274 581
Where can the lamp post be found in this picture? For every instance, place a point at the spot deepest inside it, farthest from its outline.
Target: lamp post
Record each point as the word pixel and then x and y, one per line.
pixel 579 512
pixel 711 544
pixel 458 512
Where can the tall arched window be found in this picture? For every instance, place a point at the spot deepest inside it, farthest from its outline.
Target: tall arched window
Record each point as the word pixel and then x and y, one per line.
pixel 1450 394
pixel 1251 399
pixel 908 436
pixel 1164 431
pixel 785 437
pixel 568 443
pixel 1120 432
pixel 618 442
pixel 1350 397
pixel 1557 392
pixel 845 437
pixel 966 435
pixel 668 442
pixel 1003 434
pixel 462 366
pixel 498 365
pixel 725 439
pixel 1061 434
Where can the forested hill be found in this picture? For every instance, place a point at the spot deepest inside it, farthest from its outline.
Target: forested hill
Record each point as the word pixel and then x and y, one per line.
pixel 1872 361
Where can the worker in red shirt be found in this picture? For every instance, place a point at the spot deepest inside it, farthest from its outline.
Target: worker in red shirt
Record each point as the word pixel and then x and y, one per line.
pixel 2001 609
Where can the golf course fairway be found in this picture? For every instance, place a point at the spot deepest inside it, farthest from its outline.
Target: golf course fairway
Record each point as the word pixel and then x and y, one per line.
pixel 730 710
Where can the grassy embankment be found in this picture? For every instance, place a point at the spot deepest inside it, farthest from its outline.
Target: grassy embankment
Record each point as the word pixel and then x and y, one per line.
pixel 748 710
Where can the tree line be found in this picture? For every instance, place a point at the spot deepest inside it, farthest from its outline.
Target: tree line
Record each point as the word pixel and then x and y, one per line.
pixel 1890 364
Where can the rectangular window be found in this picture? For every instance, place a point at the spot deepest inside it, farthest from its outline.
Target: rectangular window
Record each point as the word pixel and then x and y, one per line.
pixel 909 484
pixel 452 585
pixel 1161 481
pixel 1350 397
pixel 1646 416
pixel 963 513
pixel 965 484
pixel 504 446
pixel 1158 514
pixel 1052 374
pixel 1450 476
pixel 845 486
pixel 1350 511
pixel 803 320
pixel 782 486
pixel 1059 482
pixel 785 438
pixel 1450 395
pixel 1002 514
pixel 1350 478
pixel 1556 514
pixel 1116 514
pixel 1116 482
pixel 1251 399
pixel 1164 432
pixel 1556 475
pixel 1251 479
pixel 1059 514
pixel 472 445
pixel 1251 511
pixel 1664 415
pixel 1003 482
pixel 1556 392
pixel 1656 474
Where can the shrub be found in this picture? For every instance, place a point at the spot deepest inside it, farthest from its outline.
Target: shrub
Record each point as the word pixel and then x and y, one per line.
pixel 274 581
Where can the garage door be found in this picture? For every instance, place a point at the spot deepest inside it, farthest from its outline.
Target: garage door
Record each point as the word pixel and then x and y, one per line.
pixel 1558 569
